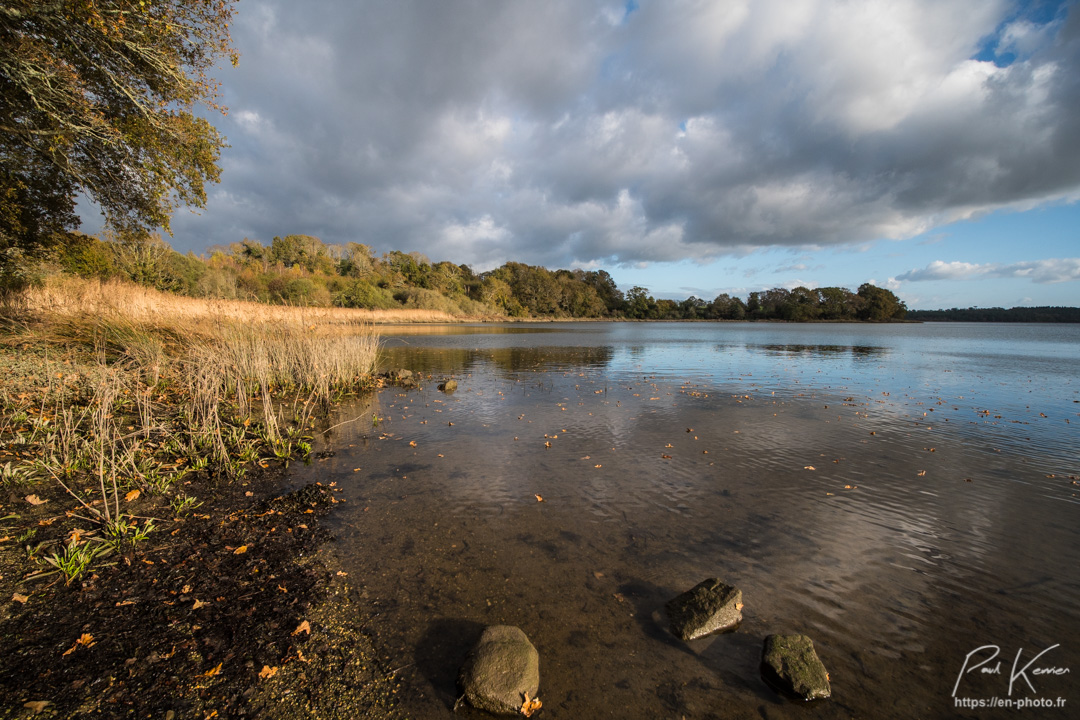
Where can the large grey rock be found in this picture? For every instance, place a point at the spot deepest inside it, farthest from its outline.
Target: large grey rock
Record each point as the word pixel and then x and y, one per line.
pixel 789 663
pixel 498 672
pixel 708 607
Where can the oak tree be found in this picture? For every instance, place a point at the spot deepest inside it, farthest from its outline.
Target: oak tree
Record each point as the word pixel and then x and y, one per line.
pixel 102 97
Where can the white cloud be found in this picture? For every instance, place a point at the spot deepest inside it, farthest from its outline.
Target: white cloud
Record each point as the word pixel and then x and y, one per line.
pixel 685 129
pixel 1038 271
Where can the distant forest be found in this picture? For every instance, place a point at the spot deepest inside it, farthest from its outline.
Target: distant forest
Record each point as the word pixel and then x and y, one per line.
pixel 1042 314
pixel 301 270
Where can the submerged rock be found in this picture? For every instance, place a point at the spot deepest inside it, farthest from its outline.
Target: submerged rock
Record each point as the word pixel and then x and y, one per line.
pixel 449 386
pixel 500 670
pixel 790 664
pixel 710 606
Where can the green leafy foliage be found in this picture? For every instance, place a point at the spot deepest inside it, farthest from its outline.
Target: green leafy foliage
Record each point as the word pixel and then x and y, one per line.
pixel 104 98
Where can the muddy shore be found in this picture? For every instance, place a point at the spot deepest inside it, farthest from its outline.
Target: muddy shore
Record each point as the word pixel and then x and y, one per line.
pixel 232 611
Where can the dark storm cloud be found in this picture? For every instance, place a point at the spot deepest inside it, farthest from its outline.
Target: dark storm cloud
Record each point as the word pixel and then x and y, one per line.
pixel 571 132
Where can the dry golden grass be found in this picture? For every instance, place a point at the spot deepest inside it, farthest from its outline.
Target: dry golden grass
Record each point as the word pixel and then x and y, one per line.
pixel 63 296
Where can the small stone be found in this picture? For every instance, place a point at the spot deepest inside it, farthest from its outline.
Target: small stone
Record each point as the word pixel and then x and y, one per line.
pixel 790 664
pixel 500 670
pixel 710 606
pixel 449 386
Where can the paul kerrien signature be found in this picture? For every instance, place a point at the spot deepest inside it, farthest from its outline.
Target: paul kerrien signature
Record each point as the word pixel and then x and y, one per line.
pixel 985 668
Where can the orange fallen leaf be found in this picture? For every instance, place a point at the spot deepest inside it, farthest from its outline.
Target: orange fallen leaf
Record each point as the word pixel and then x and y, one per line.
pixel 539 498
pixel 133 495
pixel 267 672
pixel 213 671
pixel 35 500
pixel 304 627
pixel 86 640
pixel 19 598
pixel 240 550
pixel 530 706
pixel 199 604
pixel 921 473
pixel 412 443
pixel 809 467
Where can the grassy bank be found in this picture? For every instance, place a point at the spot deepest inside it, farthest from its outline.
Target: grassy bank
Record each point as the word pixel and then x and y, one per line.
pixel 136 428
pixel 114 390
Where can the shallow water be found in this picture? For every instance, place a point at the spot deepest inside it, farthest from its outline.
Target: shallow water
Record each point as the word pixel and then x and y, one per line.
pixel 899 493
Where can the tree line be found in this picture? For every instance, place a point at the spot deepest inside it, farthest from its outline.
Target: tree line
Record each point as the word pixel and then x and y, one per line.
pixel 1040 314
pixel 302 270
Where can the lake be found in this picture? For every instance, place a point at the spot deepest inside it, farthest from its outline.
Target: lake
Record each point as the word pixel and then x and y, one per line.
pixel 906 495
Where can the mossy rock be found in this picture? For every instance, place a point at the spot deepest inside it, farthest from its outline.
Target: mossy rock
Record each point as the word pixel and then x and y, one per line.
pixel 709 607
pixel 500 670
pixel 449 386
pixel 790 664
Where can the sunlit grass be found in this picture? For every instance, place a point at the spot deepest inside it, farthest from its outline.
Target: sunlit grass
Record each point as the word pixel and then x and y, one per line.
pixel 156 386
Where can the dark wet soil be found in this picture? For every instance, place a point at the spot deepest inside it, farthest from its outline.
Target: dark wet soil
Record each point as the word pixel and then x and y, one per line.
pixel 234 611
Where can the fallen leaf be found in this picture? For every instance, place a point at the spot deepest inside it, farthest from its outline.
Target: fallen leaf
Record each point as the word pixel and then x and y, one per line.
pixel 304 627
pixel 86 640
pixel 185 590
pixel 267 672
pixel 412 443
pixel 19 598
pixel 341 573
pixel 240 550
pixel 122 603
pixel 37 706
pixel 198 604
pixel 133 495
pixel 809 467
pixel 530 706
pixel 35 500
pixel 539 498
pixel 213 671
pixel 921 473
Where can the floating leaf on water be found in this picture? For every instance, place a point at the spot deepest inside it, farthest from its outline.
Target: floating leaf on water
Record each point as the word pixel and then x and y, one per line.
pixel 539 498
pixel 809 467
pixel 921 473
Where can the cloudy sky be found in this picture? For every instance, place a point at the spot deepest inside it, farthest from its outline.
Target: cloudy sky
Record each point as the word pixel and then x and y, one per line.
pixel 688 146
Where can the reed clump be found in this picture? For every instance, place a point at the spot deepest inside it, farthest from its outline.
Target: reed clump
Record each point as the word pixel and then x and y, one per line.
pixel 124 389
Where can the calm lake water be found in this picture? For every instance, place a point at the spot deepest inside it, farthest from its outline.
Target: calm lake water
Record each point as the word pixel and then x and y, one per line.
pixel 903 494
